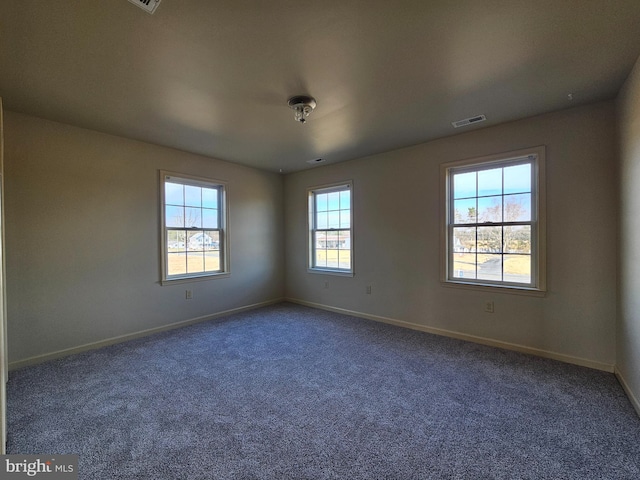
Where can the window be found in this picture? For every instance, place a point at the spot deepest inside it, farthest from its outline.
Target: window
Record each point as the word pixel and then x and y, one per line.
pixel 495 230
pixel 193 227
pixel 330 229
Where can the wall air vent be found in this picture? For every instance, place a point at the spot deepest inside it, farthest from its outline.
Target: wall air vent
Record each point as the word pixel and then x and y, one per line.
pixel 148 6
pixel 315 160
pixel 469 121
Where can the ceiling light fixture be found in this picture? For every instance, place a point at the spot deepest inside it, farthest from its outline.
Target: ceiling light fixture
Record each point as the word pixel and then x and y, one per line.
pixel 303 105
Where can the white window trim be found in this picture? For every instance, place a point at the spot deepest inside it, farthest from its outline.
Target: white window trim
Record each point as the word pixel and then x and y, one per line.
pixel 224 226
pixel 538 248
pixel 310 219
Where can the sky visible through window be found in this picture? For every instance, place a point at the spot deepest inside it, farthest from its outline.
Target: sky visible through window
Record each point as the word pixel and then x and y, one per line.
pixel 332 232
pixel 192 222
pixel 492 215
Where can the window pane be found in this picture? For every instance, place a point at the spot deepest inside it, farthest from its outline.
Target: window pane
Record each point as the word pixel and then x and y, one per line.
pixel 192 196
pixel 464 185
pixel 195 241
pixel 490 239
pixel 173 194
pixel 483 244
pixel 321 258
pixel 517 239
pixel 344 240
pixel 465 211
pixel 344 259
pixel 490 182
pixel 345 199
pixel 176 263
pixel 332 239
pixel 490 209
pixel 321 220
pixel 189 209
pixel 193 217
pixel 517 268
pixel 209 218
pixel 332 258
pixel 345 219
pixel 321 202
pixel 464 265
pixel 174 217
pixel 464 240
pixel 517 208
pixel 490 267
pixel 334 219
pixel 334 201
pixel 210 197
pixel 195 262
pixel 321 240
pixel 176 240
pixel 517 179
pixel 212 261
pixel 212 240
pixel 331 228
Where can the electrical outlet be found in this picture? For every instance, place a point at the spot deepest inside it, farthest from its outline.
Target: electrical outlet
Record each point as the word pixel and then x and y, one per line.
pixel 188 294
pixel 488 307
pixel 368 290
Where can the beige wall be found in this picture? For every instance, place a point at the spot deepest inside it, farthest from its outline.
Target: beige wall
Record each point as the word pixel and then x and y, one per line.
pixel 628 326
pixel 397 204
pixel 83 241
pixel 83 237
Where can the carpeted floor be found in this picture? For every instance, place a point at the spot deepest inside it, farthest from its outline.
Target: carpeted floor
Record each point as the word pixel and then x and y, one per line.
pixel 288 392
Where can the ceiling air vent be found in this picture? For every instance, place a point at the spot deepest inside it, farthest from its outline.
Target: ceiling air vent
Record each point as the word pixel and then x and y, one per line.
pixel 148 6
pixel 316 160
pixel 469 121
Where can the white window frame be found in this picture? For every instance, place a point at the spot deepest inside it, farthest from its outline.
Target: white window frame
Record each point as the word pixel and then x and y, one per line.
pixel 221 186
pixel 534 155
pixel 311 227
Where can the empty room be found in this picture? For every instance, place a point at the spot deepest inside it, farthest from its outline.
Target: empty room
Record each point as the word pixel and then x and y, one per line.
pixel 320 240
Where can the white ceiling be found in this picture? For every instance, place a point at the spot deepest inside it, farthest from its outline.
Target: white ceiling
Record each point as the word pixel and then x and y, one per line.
pixel 213 77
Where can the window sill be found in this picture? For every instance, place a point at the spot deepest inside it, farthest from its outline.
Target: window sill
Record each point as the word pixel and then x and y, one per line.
pixel 506 289
pixel 199 278
pixel 327 271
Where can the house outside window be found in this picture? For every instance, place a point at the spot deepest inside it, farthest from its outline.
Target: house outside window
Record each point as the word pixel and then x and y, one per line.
pixel 193 213
pixel 494 229
pixel 331 229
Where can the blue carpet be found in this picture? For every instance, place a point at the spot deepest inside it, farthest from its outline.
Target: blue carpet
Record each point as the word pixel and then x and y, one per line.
pixel 289 392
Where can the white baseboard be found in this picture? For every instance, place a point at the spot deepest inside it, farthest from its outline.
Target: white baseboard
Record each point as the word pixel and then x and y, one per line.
pixel 131 336
pixel 463 336
pixel 625 386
